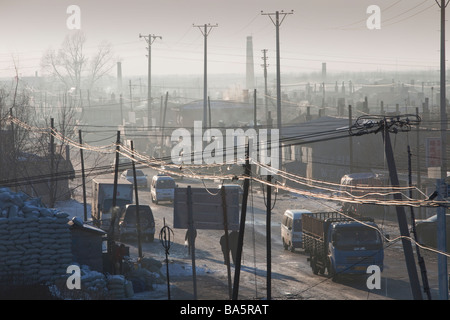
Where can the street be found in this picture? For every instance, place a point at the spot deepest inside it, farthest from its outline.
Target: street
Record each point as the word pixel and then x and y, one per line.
pixel 291 276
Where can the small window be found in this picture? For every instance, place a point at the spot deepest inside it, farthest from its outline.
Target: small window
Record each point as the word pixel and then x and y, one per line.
pixel 289 223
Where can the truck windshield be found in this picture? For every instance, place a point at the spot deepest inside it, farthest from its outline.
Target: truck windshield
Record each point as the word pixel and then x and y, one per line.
pixel 165 184
pixel 145 215
pixel 297 225
pixel 119 203
pixel 354 237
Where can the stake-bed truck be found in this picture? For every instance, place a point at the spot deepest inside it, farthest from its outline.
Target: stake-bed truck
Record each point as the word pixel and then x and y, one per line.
pixel 102 199
pixel 340 244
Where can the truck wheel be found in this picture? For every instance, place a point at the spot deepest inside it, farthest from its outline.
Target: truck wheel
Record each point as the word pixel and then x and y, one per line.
pixel 314 267
pixel 332 272
pixel 291 248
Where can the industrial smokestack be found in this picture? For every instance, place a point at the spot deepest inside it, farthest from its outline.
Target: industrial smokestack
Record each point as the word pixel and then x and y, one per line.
pixel 324 71
pixel 250 71
pixel 119 77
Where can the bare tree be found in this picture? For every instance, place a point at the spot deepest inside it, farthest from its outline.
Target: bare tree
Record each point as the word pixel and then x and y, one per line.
pixel 27 162
pixel 72 67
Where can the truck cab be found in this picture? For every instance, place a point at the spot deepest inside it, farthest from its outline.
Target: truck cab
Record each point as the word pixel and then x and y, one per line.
pixel 341 244
pixel 128 222
pixel 102 199
pixel 354 246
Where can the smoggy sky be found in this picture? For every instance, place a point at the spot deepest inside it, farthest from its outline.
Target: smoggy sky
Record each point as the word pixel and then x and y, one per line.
pixel 331 31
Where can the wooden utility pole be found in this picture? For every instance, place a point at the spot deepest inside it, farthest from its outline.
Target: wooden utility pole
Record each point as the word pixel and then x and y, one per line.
pixel 206 30
pixel 237 268
pixel 268 237
pixel 350 123
pixel 163 125
pixel 138 218
pixel 440 184
pixel 149 39
pixel 83 178
pixel 14 148
pixel 52 163
pixel 423 269
pixel 401 217
pixel 277 24
pixel 114 199
pixel 192 238
pixel 227 241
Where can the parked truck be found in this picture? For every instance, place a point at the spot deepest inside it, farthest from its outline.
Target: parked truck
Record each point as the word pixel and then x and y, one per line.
pixel 340 244
pixel 102 199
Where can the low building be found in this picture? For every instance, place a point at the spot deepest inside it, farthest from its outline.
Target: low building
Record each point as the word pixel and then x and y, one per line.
pixel 87 244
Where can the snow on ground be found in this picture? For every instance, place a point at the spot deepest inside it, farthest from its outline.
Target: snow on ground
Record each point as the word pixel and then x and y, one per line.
pixel 76 209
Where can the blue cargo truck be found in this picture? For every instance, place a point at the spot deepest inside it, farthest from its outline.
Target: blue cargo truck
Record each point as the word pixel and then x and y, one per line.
pixel 340 244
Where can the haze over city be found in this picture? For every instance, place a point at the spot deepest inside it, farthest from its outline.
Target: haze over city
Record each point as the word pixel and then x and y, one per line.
pixel 186 103
pixel 335 32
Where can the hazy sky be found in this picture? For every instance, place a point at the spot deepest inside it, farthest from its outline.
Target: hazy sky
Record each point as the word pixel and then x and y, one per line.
pixel 331 31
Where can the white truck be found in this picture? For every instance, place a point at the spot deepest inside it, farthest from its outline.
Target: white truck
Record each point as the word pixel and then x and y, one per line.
pixel 102 199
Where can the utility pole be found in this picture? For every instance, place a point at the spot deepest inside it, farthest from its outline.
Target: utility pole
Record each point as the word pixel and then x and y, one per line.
pixel 277 24
pixel 421 261
pixel 237 269
pixel 52 163
pixel 149 39
pixel 83 178
pixel 350 123
pixel 269 238
pixel 265 65
pixel 138 218
pixel 401 217
pixel 205 31
pixel 362 126
pixel 440 184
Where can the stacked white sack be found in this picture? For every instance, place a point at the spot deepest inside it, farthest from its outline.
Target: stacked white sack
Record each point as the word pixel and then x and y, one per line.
pixel 35 242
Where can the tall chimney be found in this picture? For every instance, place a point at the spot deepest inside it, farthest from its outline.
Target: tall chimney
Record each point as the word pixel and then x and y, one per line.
pixel 119 77
pixel 250 71
pixel 324 71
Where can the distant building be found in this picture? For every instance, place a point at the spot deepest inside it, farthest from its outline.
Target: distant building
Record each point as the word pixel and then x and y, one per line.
pixel 34 175
pixel 31 173
pixel 223 113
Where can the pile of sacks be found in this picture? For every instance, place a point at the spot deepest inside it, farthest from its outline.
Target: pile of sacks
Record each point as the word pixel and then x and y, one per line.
pixel 119 287
pixel 35 242
pixel 93 282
